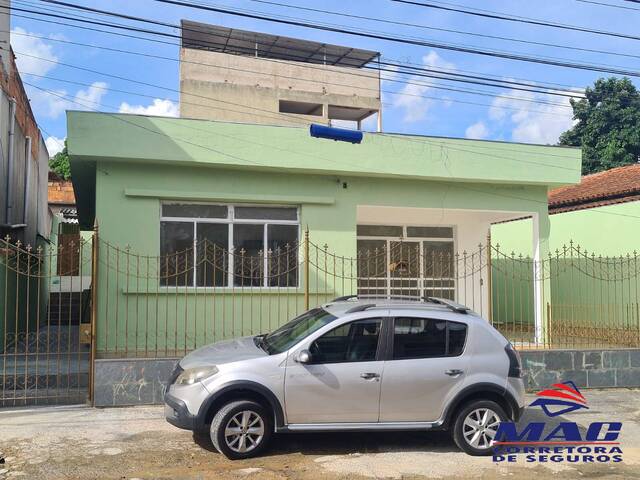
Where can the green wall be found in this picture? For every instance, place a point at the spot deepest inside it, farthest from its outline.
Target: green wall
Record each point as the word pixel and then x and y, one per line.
pixel 612 230
pixel 128 211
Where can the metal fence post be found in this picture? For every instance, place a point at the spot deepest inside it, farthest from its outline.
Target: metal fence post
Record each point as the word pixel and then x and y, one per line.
pixel 94 310
pixel 306 269
pixel 489 280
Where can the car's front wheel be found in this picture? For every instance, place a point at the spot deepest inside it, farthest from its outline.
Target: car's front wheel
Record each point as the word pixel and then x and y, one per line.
pixel 476 425
pixel 241 429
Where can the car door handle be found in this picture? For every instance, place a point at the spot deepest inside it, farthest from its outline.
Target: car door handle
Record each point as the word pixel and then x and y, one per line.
pixel 369 375
pixel 454 372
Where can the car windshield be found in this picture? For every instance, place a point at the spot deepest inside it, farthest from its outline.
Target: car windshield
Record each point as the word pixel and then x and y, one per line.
pixel 300 327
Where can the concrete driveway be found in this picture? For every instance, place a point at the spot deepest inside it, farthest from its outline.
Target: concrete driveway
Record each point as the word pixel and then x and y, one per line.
pixel 136 443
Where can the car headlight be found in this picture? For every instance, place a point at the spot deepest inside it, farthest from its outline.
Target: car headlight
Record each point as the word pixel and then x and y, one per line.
pixel 193 375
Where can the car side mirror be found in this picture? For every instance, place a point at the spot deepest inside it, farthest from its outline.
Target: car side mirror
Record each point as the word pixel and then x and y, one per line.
pixel 304 356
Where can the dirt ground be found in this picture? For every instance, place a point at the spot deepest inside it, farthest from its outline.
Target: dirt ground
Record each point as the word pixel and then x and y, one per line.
pixel 136 443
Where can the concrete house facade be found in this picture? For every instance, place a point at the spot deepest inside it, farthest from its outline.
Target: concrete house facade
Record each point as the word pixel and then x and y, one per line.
pixel 154 185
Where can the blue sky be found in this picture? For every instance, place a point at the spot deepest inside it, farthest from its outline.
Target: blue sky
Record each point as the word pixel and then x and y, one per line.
pixel 519 121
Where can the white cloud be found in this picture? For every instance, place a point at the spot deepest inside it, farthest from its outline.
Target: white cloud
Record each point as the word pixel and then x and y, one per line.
pixel 416 108
pixel 532 122
pixel 478 131
pixel 53 104
pixel 54 145
pixel 24 47
pixel 159 107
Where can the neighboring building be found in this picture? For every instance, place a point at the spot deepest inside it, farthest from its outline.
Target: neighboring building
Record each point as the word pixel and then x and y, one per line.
pixel 157 186
pixel 601 214
pixel 235 75
pixel 24 161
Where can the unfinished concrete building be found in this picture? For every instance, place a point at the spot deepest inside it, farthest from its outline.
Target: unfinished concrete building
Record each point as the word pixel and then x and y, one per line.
pixel 240 76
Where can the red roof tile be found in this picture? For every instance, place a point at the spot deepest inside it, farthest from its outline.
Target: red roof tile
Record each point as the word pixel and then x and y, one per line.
pixel 621 184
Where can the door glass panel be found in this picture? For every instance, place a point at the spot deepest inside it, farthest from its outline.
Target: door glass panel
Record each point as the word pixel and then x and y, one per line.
pixel 352 342
pixel 438 259
pixel 372 267
pixel 379 231
pixel 419 338
pixel 404 268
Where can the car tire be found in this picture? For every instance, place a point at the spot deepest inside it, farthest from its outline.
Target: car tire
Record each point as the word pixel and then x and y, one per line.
pixel 472 430
pixel 241 429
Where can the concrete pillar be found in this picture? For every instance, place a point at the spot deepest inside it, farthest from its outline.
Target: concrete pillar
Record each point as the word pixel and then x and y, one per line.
pixel 541 288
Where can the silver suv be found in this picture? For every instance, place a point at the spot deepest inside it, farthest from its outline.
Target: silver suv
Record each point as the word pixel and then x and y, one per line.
pixel 354 364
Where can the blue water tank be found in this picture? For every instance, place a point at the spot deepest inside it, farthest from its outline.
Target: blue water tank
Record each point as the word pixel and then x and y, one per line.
pixel 337 134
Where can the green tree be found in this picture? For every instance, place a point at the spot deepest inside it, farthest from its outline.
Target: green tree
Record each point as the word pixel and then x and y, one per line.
pixel 59 163
pixel 608 125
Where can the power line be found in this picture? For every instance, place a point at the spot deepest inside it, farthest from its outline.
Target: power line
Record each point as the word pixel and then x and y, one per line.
pixel 440 29
pixel 608 5
pixel 417 42
pixel 508 18
pixel 393 80
pixel 397 71
pixel 430 73
pixel 220 152
pixel 536 83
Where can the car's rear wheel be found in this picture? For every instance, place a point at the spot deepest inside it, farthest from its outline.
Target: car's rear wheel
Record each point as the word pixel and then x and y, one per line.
pixel 241 429
pixel 476 425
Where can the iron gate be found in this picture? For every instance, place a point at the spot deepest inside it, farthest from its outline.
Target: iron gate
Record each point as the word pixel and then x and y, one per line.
pixel 45 322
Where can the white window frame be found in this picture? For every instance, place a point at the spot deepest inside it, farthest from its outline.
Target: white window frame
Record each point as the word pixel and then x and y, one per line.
pixel 420 240
pixel 230 220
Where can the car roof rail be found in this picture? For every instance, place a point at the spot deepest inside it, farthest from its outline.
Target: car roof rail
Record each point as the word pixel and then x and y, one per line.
pixel 344 298
pixel 361 308
pixel 450 304
pixel 378 297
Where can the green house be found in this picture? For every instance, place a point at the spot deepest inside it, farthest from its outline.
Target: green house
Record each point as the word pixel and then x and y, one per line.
pixel 210 230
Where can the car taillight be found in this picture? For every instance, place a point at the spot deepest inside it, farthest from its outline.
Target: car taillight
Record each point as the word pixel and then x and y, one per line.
pixel 515 364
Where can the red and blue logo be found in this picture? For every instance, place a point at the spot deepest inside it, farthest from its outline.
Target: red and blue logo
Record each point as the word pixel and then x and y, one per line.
pixel 560 399
pixel 558 440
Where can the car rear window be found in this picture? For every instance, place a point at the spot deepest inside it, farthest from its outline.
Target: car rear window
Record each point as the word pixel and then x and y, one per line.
pixel 415 337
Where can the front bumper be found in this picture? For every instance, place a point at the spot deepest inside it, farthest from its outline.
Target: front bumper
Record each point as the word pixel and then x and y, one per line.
pixel 177 414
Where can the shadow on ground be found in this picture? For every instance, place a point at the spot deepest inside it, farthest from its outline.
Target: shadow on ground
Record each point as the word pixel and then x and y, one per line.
pixel 343 443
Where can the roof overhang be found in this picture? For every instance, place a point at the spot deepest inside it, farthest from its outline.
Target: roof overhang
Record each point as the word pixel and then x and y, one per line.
pixel 95 137
pixel 216 38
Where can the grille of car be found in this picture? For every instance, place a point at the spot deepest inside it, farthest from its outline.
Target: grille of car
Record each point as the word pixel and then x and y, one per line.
pixel 175 374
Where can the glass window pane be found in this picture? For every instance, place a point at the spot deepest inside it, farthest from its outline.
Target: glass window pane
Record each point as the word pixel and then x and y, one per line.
pixel 212 258
pixel 248 255
pixel 419 338
pixel 457 337
pixel 282 261
pixel 379 231
pixel 439 260
pixel 430 232
pixel 266 213
pixel 352 342
pixel 176 250
pixel 194 211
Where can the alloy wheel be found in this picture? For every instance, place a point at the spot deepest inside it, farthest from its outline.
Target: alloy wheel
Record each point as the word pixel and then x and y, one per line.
pixel 480 427
pixel 244 431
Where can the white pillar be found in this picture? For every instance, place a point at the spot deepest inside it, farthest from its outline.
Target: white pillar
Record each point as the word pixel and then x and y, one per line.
pixel 541 290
